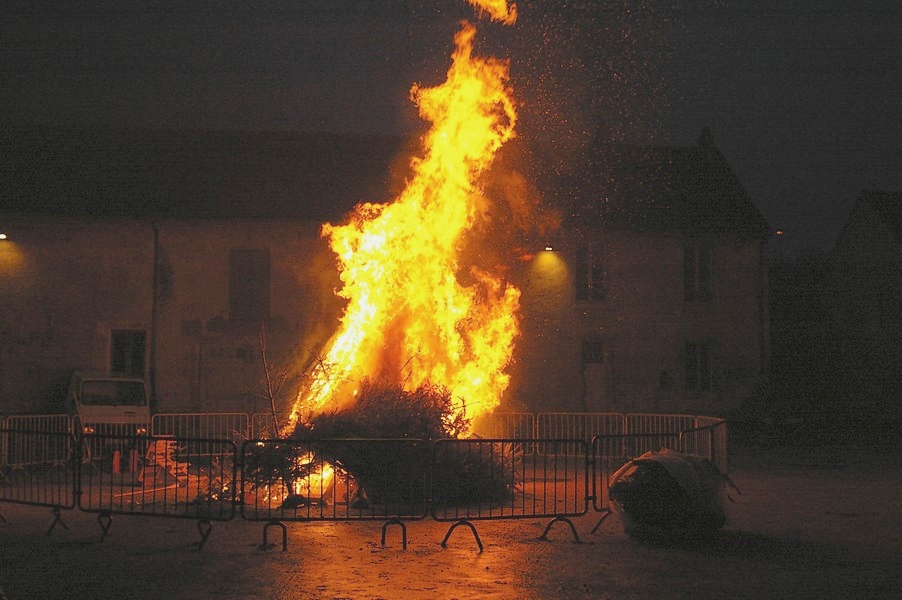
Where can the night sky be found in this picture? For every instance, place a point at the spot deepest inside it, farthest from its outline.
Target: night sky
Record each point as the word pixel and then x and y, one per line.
pixel 804 98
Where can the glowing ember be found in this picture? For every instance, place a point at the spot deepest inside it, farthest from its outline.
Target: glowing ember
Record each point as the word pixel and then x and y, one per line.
pixel 317 483
pixel 416 313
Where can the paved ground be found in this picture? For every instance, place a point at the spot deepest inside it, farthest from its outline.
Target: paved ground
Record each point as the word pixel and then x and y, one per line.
pixel 808 524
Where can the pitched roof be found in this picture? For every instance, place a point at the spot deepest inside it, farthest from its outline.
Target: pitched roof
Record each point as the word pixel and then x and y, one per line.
pixel 192 174
pixel 318 176
pixel 688 189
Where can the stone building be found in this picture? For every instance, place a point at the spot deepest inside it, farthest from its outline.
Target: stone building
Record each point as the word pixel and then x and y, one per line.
pixel 655 295
pixel 161 255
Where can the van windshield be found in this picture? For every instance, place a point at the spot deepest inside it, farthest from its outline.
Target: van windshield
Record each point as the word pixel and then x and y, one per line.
pixel 112 393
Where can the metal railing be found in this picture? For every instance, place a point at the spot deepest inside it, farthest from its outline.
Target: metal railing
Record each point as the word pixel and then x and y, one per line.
pixel 261 426
pixel 477 479
pixel 42 470
pixel 576 426
pixel 516 425
pixel 202 426
pixel 334 479
pixel 716 449
pixel 47 463
pixel 610 452
pixel 708 441
pixel 161 476
pixel 29 450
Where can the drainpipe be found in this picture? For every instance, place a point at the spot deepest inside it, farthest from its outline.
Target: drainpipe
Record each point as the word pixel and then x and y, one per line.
pixel 152 362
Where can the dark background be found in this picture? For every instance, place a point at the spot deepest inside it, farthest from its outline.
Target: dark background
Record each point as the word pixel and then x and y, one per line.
pixel 804 98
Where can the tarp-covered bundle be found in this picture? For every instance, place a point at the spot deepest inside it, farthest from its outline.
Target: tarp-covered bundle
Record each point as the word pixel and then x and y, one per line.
pixel 669 494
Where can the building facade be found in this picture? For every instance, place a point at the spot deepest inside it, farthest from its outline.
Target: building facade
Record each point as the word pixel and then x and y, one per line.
pixel 862 298
pixel 650 297
pixel 653 297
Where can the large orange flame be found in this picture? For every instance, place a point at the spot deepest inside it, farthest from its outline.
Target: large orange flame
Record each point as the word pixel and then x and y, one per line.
pixel 415 314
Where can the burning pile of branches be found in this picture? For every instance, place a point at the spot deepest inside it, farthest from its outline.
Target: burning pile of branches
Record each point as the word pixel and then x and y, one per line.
pixel 381 441
pixel 389 411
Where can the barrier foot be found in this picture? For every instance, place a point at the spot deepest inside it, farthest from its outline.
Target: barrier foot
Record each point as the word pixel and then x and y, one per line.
pixel 105 520
pixel 266 545
pixel 544 535
pixel 204 527
pixel 396 521
pixel 458 524
pixel 56 519
pixel 604 515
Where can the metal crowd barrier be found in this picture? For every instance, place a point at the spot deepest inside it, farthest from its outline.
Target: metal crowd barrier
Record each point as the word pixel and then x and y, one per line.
pixel 335 480
pixel 161 476
pixel 30 450
pixel 576 426
pixel 717 447
pixel 261 426
pixel 610 452
pixel 709 441
pixel 293 480
pixel 42 472
pixel 482 479
pixel 517 425
pixel 460 481
pixel 202 426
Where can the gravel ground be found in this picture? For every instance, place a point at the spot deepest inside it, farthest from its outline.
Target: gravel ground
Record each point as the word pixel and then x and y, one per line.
pixel 809 523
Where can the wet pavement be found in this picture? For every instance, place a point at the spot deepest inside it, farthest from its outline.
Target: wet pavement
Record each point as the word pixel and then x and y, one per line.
pixel 806 525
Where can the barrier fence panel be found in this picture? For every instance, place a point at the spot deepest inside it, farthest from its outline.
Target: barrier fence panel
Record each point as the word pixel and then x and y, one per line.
pixel 516 425
pixel 53 423
pixel 576 426
pixel 202 426
pixel 605 462
pixel 476 479
pixel 719 454
pixel 658 423
pixel 334 479
pixel 160 476
pixel 262 426
pixel 705 442
pixel 25 450
pixel 642 425
pixel 95 451
pixel 42 470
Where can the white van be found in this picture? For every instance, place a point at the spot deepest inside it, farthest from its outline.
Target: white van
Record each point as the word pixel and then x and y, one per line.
pixel 108 404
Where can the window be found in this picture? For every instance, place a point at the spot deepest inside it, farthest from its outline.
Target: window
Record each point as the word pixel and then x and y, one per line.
pixel 589 273
pixel 103 392
pixel 698 366
pixel 127 351
pixel 592 352
pixel 696 273
pixel 248 285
